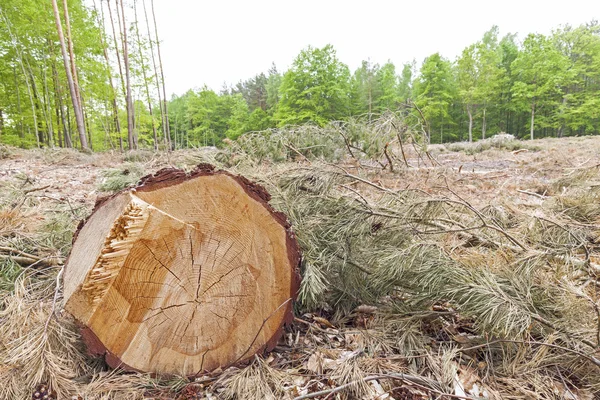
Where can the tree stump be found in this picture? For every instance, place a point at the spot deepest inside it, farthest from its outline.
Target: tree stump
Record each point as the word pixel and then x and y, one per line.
pixel 186 273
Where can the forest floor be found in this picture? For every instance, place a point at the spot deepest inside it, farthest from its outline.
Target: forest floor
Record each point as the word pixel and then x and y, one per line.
pixel 483 176
pixel 45 193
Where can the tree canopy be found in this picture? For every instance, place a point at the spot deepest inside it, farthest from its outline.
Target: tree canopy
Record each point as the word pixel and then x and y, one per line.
pixel 548 85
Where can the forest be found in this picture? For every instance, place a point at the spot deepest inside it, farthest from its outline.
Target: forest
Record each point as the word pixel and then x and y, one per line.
pixel 531 87
pixel 421 231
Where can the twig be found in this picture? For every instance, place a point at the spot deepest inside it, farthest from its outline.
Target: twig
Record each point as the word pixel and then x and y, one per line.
pixel 288 145
pixel 388 157
pixel 311 325
pixel 399 136
pixel 36 189
pixel 19 252
pixel 58 276
pixel 413 105
pixel 539 196
pixel 23 261
pixel 346 141
pixel 365 181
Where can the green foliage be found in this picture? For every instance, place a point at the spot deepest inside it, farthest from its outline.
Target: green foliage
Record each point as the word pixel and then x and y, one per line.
pixel 541 73
pixel 315 89
pixel 9 271
pixel 548 86
pixel 435 89
pixel 32 77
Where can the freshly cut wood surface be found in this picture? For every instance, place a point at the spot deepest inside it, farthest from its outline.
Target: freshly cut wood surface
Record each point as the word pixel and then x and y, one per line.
pixel 184 274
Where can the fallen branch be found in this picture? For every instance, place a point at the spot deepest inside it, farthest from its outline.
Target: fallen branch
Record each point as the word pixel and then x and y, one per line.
pixel 36 189
pixel 10 250
pixel 539 196
pixel 385 151
pixel 591 359
pixel 411 379
pixel 28 261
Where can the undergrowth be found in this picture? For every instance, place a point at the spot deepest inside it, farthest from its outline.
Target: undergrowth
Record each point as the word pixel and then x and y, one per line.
pixel 500 141
pixel 115 179
pixel 420 287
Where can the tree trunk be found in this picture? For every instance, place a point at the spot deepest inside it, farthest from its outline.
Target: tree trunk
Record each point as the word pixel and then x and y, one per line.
pixel 87 125
pixel 160 102
pixel 143 66
pixel 561 129
pixel 112 23
pixel 162 78
pixel 115 107
pixel 58 93
pixel 470 124
pixel 131 134
pixel 483 124
pixel 39 107
pixel 75 100
pixel 18 91
pixel 532 119
pixel 58 135
pixel 72 54
pixel 183 274
pixel 48 110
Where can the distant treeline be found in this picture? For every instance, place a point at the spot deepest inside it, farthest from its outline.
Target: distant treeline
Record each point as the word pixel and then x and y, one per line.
pixel 544 86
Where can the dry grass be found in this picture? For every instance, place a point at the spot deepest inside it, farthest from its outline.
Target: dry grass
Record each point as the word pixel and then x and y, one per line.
pixel 480 272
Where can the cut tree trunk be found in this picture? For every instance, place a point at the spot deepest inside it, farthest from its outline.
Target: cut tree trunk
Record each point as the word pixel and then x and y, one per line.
pixel 184 274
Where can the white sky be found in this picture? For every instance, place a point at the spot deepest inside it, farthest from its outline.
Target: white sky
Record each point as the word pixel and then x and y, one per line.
pixel 212 42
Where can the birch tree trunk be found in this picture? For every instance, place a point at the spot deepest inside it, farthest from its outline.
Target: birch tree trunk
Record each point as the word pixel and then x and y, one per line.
pixel 74 98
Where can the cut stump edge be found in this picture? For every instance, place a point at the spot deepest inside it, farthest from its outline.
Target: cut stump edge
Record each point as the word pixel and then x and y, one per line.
pixel 170 176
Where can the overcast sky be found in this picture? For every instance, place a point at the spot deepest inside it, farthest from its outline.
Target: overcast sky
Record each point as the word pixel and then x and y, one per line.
pixel 225 41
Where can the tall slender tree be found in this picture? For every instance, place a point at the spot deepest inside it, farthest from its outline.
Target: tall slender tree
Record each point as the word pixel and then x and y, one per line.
pixel 72 53
pixel 162 105
pixel 115 107
pixel 162 75
pixel 143 67
pixel 131 134
pixel 76 105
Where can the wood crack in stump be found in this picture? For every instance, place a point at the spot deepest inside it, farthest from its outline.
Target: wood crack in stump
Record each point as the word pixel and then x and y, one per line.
pixel 195 272
pixel 123 235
